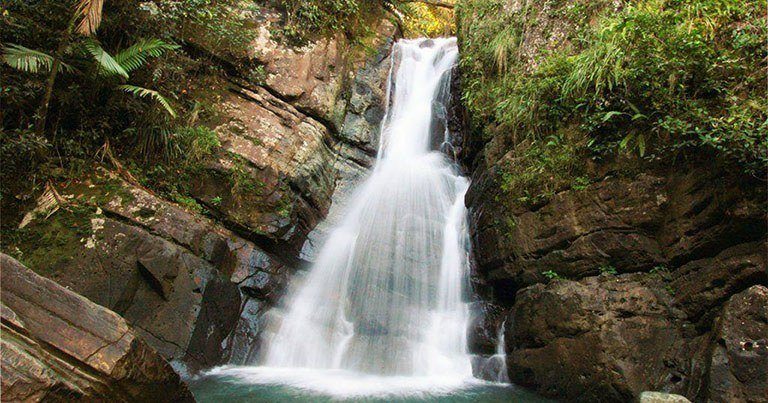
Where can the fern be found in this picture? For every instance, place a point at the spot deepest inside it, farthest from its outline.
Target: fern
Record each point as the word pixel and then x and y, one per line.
pixel 29 60
pixel 137 54
pixel 107 64
pixel 142 92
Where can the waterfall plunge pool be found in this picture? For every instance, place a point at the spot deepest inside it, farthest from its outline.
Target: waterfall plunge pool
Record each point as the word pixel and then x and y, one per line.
pixel 263 384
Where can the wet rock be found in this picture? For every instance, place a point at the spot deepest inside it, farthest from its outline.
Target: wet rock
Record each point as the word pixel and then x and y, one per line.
pixel 605 338
pixel 219 314
pixel 490 368
pixel 484 324
pixel 738 369
pixel 58 345
pixel 358 139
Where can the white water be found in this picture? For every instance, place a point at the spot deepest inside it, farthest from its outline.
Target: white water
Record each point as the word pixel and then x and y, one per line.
pixel 501 356
pixel 381 310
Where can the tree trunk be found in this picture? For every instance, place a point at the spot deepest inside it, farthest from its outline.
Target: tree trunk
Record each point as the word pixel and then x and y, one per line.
pixel 43 110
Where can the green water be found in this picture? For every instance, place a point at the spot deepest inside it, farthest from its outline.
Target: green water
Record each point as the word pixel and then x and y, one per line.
pixel 232 389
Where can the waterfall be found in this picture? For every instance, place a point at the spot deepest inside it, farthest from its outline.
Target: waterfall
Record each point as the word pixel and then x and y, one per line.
pixel 501 356
pixel 384 300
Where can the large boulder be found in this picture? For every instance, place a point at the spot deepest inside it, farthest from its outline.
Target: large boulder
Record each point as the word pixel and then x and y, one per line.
pixel 59 346
pixel 605 338
pixel 738 368
pixel 180 279
pixel 609 338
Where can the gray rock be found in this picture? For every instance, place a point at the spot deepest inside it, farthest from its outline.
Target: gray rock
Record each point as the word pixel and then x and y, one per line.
pixel 661 397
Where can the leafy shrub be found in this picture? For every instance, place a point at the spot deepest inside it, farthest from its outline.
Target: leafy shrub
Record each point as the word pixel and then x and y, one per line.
pixel 654 78
pixel 608 269
pixel 196 142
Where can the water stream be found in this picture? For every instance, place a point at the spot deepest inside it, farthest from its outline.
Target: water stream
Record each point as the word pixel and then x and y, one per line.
pixel 382 314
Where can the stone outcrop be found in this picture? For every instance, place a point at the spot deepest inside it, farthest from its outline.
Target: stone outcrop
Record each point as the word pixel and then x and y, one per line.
pixel 622 284
pixel 181 280
pixel 631 224
pixel 608 338
pixel 291 138
pixel 674 250
pixel 274 175
pixel 590 340
pixel 59 346
pixel 738 367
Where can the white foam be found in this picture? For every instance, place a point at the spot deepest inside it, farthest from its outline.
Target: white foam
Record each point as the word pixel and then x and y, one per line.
pixel 343 384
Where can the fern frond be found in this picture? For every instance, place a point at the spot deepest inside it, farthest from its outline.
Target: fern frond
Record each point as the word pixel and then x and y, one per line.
pixel 107 64
pixel 29 60
pixel 90 11
pixel 142 92
pixel 137 54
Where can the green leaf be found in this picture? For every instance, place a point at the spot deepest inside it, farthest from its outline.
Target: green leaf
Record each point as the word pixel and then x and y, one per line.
pixel 625 141
pixel 29 60
pixel 641 144
pixel 136 55
pixel 107 64
pixel 611 114
pixel 142 92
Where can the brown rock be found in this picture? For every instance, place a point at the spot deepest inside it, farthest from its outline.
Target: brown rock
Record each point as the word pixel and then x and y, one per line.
pixel 604 338
pixel 58 345
pixel 738 371
pixel 702 286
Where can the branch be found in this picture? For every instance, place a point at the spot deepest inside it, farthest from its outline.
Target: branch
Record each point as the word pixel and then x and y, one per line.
pixel 436 3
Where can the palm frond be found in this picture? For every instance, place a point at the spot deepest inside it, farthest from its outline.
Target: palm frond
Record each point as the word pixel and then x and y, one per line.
pixel 106 63
pixel 90 12
pixel 142 92
pixel 137 54
pixel 29 60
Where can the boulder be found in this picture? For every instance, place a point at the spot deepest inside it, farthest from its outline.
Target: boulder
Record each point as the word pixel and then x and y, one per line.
pixel 605 338
pixel 738 369
pixel 179 278
pixel 58 346
pixel 661 397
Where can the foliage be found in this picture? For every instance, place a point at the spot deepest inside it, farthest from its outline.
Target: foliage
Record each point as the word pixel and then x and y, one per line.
pixel 196 142
pixel 608 269
pixel 142 92
pixel 551 275
pixel 654 79
pixel 135 56
pixel 305 20
pixel 421 19
pixel 29 60
pixel 223 24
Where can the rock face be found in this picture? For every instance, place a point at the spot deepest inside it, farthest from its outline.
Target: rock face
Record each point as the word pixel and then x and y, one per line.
pixel 292 137
pixel 574 338
pixel 178 278
pixel 738 370
pixel 195 282
pixel 632 282
pixel 60 346
pixel 694 243
pixel 675 249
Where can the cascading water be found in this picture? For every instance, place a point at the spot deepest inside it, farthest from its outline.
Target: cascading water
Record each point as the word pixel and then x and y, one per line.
pixel 385 294
pixel 382 309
